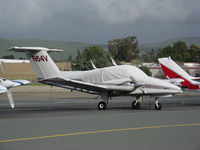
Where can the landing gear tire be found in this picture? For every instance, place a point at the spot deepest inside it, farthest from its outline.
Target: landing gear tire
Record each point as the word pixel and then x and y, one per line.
pixel 158 106
pixel 102 105
pixel 135 104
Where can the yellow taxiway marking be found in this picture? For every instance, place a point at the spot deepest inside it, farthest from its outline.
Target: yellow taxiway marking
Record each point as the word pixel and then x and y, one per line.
pixel 99 131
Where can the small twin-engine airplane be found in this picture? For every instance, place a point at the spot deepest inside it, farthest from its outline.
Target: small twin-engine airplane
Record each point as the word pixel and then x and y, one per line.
pixel 5 86
pixel 118 80
pixel 172 71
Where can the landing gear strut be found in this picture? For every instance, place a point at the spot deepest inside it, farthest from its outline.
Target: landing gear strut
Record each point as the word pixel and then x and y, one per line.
pixel 103 104
pixel 135 104
pixel 158 106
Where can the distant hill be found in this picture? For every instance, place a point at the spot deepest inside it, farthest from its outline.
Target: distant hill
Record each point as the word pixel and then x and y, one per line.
pixel 70 48
pixel 162 44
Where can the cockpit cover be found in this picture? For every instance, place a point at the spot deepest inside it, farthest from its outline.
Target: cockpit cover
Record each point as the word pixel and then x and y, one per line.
pixel 106 74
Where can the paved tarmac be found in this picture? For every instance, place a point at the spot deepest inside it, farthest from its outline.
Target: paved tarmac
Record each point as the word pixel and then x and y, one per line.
pixel 63 120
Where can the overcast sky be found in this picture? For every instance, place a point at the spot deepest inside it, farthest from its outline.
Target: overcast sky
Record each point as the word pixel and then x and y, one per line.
pixel 97 21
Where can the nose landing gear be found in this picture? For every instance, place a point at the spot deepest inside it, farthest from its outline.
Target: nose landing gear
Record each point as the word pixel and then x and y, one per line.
pixel 102 105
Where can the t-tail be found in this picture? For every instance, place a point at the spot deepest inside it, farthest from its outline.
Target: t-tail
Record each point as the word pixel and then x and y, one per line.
pixel 40 60
pixel 172 70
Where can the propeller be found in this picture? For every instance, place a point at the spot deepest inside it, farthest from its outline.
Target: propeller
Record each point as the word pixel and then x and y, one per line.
pixel 136 84
pixel 132 79
pixel 10 98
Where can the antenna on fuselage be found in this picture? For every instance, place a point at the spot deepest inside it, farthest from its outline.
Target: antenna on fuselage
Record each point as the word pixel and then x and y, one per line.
pixel 113 62
pixel 93 66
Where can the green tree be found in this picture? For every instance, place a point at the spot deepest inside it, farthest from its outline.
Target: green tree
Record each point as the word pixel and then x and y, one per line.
pixel 146 70
pixel 149 56
pixel 178 52
pixel 136 62
pixel 98 55
pixel 165 52
pixel 194 53
pixel 124 49
pixel 8 57
pixel 181 51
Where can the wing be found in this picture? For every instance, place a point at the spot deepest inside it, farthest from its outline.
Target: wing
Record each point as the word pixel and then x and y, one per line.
pixel 3 89
pixel 115 85
pixel 74 85
pixel 20 82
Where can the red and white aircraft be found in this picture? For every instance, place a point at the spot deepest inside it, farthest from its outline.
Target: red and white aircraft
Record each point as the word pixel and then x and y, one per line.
pixel 173 71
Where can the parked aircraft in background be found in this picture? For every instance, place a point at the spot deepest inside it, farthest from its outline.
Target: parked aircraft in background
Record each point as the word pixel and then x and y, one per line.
pixel 172 70
pixel 6 84
pixel 118 80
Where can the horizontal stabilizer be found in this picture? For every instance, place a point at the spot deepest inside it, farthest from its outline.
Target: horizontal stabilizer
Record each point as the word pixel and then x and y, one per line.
pixel 40 60
pixel 25 49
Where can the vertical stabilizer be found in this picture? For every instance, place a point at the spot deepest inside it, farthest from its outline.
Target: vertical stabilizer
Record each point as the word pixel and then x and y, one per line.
pixel 40 60
pixel 171 69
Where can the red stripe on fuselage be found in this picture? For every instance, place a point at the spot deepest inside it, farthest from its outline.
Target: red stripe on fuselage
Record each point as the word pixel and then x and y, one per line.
pixel 171 74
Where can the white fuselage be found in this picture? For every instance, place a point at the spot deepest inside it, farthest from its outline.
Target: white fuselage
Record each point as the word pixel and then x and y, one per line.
pixel 113 73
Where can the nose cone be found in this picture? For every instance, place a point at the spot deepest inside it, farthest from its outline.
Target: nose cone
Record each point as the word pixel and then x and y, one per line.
pixel 178 89
pixel 174 88
pixel 168 87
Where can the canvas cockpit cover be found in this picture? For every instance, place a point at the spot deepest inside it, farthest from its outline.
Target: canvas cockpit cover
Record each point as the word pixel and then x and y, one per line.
pixel 109 73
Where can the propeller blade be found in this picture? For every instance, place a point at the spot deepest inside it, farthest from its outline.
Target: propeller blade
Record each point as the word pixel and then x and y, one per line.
pixel 132 79
pixel 10 98
pixel 136 84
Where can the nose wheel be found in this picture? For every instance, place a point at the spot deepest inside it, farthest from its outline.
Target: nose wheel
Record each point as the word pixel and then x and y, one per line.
pixel 102 105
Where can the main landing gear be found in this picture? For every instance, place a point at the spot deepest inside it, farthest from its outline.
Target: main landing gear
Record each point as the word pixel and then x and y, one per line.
pixel 137 104
pixel 158 106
